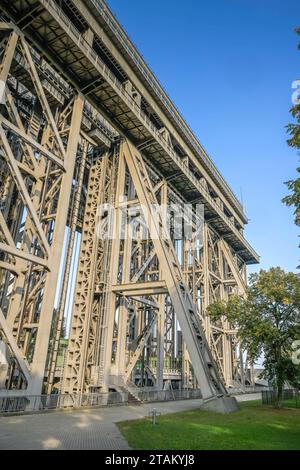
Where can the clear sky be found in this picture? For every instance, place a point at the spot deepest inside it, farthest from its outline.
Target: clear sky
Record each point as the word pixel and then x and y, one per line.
pixel 228 65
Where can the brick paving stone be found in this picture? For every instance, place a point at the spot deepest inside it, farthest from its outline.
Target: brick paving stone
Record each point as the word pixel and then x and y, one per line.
pixel 93 428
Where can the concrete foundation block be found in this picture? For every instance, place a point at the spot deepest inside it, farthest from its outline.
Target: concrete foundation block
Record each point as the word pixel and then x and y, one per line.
pixel 221 405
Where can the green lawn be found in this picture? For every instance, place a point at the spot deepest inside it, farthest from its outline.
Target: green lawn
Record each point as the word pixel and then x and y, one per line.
pixel 253 427
pixel 292 403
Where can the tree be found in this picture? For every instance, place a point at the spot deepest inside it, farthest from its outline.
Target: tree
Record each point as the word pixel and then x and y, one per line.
pixel 267 320
pixel 293 129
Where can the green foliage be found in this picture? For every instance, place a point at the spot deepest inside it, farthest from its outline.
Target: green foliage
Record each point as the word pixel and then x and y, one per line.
pixel 293 130
pixel 268 321
pixel 293 199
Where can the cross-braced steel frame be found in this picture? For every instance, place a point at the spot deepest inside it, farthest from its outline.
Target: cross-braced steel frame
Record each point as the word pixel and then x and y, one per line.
pixel 86 131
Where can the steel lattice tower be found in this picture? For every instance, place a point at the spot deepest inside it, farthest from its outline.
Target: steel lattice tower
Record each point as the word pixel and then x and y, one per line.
pixel 84 124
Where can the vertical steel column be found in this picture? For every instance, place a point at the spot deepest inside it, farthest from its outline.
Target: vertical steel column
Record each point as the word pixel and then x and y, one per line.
pixel 161 311
pixel 123 312
pixel 43 334
pixel 67 268
pixel 226 338
pixel 206 299
pixel 109 314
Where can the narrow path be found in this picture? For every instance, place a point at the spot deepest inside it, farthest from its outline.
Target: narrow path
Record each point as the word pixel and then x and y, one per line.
pixel 82 429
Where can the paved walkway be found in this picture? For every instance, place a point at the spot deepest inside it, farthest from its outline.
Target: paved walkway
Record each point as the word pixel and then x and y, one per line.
pixel 82 429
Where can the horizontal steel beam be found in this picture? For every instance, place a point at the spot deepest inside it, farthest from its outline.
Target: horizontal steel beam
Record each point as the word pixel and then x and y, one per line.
pixel 23 255
pixel 141 288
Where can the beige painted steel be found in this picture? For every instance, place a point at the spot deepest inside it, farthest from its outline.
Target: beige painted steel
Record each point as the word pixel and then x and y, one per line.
pixel 129 294
pixel 205 370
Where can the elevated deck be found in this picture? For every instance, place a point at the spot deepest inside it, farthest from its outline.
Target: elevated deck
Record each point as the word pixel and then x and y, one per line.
pixel 143 113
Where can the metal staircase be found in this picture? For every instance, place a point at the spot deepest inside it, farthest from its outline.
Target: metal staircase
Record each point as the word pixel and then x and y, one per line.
pixel 35 123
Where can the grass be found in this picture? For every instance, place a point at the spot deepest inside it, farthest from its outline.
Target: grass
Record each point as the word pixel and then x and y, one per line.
pixel 254 427
pixel 292 403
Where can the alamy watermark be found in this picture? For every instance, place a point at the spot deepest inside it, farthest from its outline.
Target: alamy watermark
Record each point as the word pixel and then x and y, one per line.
pixel 130 219
pixel 296 352
pixel 296 93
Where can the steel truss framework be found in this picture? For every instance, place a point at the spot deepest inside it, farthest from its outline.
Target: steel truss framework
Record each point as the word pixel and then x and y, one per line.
pixel 81 129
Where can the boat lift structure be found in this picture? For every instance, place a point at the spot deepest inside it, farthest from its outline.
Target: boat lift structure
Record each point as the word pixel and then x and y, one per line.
pixel 87 131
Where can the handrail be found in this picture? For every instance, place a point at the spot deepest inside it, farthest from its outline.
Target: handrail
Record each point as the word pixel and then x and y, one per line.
pixel 37 403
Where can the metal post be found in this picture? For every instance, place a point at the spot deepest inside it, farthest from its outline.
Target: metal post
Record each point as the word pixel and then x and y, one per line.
pixel 42 339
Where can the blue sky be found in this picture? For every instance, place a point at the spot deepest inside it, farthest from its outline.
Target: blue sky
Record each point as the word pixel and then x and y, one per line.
pixel 228 65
